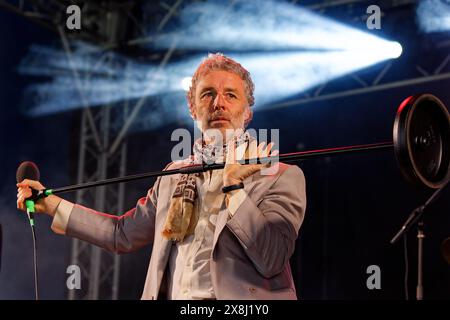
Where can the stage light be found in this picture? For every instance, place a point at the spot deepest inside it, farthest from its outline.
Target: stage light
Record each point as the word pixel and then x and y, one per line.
pixel 186 83
pixel 395 49
pixel 434 15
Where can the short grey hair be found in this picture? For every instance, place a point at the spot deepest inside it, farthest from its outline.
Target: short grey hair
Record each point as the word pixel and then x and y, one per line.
pixel 218 61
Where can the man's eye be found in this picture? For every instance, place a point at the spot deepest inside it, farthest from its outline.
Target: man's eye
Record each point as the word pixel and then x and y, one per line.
pixel 232 95
pixel 206 94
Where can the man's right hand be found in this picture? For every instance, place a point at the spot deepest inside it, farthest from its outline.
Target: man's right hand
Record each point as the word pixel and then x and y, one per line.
pixel 46 205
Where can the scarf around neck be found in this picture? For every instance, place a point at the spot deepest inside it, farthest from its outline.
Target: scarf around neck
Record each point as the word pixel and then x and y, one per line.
pixel 181 221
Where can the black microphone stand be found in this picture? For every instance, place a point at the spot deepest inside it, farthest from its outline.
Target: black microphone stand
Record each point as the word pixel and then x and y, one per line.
pixel 416 217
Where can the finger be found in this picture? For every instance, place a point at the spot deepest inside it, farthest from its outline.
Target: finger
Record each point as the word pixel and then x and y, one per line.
pixel 267 149
pixel 20 193
pixel 230 152
pixel 271 167
pixel 240 151
pixel 20 203
pixel 23 201
pixel 22 184
pixel 260 148
pixel 253 149
pixel 275 153
pixel 30 183
pixel 25 184
pixel 238 132
pixel 265 153
pixel 261 153
pixel 26 193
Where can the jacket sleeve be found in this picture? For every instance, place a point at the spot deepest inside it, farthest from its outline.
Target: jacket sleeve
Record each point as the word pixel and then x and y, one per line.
pixel 119 234
pixel 268 231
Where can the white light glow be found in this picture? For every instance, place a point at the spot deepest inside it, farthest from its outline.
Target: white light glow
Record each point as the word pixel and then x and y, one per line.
pixel 186 83
pixel 268 38
pixel 434 15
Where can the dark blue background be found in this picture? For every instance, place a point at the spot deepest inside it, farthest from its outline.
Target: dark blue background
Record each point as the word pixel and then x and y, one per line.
pixel 355 202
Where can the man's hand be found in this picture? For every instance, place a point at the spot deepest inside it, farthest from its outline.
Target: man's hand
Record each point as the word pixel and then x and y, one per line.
pixel 234 172
pixel 46 205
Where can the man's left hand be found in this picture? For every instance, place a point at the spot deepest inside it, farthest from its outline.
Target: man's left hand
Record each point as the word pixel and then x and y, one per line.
pixel 234 172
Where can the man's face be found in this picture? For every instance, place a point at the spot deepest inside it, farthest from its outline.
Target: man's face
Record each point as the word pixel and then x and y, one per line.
pixel 220 102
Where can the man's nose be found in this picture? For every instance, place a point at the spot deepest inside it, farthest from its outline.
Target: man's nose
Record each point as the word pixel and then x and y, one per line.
pixel 219 101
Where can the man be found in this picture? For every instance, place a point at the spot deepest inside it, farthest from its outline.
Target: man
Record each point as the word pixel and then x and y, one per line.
pixel 221 234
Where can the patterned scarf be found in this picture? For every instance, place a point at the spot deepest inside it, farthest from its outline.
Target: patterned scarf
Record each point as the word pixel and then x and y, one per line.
pixel 181 220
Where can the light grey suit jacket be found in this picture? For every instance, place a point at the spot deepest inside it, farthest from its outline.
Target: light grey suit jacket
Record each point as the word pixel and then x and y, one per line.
pixel 251 251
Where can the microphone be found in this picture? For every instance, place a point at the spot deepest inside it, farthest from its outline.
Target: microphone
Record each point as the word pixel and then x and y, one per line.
pixel 445 249
pixel 29 170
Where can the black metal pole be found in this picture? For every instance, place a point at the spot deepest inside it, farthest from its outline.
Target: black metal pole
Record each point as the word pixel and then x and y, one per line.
pixel 417 213
pixel 287 157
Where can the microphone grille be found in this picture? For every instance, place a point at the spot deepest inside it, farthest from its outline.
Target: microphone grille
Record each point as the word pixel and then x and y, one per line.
pixel 27 170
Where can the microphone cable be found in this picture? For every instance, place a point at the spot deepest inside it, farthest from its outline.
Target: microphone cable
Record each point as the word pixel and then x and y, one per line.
pixel 35 264
pixel 35 261
pixel 29 170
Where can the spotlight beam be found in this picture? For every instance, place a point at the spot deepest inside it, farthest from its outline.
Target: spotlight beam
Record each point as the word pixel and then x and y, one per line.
pixel 286 48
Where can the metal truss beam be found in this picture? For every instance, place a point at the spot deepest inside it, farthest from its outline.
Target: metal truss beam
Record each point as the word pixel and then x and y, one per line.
pixel 100 269
pixel 367 89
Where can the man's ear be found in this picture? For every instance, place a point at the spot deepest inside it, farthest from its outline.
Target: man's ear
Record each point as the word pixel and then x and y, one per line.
pixel 248 115
pixel 193 113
